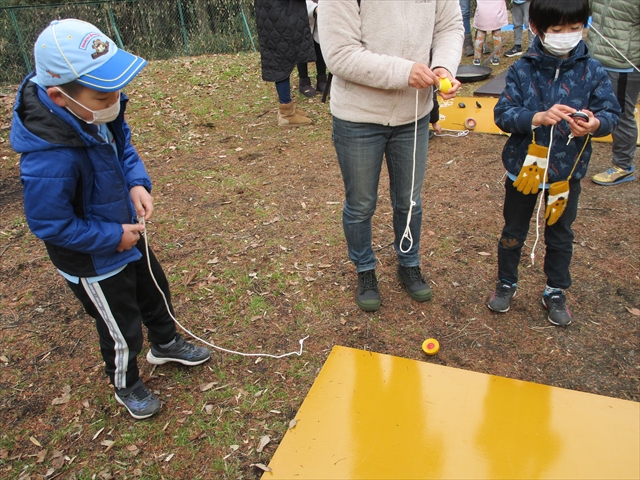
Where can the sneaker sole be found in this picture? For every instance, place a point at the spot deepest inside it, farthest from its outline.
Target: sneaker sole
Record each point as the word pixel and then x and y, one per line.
pixel 513 55
pixel 137 417
pixel 617 182
pixel 153 360
pixel 500 311
pixel 551 321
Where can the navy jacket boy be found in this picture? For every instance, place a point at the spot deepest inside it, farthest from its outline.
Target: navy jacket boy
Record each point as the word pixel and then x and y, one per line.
pixel 84 186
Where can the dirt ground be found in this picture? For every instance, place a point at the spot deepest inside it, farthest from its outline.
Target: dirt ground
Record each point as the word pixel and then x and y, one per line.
pixel 248 229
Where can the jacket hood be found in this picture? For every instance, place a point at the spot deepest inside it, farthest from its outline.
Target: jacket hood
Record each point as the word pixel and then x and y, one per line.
pixel 39 124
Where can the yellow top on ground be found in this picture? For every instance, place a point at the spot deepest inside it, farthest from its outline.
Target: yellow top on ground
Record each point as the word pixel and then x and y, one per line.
pixel 374 416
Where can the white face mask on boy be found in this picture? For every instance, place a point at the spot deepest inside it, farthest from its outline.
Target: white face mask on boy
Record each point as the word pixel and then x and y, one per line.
pixel 559 44
pixel 105 115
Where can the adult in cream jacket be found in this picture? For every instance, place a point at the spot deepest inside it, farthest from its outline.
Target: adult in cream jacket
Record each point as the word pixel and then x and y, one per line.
pixel 385 57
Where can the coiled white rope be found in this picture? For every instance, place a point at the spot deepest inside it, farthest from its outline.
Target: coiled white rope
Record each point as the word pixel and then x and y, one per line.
pixel 146 246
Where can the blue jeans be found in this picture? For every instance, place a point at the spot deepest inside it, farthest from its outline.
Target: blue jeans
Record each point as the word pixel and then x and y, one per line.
pixel 465 7
pixel 360 148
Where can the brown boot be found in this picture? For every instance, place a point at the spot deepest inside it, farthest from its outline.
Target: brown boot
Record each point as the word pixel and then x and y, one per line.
pixel 290 116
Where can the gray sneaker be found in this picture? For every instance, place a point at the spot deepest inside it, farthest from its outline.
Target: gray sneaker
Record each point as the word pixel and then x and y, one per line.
pixel 181 352
pixel 140 402
pixel 411 278
pixel 500 300
pixel 556 304
pixel 367 295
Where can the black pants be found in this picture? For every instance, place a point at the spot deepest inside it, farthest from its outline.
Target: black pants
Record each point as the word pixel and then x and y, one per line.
pixel 558 238
pixel 321 67
pixel 120 305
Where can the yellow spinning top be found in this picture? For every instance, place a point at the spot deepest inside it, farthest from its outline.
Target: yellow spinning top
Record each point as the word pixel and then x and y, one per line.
pixel 430 346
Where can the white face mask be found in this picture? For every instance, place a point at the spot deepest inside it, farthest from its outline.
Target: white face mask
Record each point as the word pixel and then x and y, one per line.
pixel 559 44
pixel 105 115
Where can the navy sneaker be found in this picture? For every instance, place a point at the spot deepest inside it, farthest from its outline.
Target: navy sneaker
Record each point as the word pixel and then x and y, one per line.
pixel 181 352
pixel 411 278
pixel 556 304
pixel 140 402
pixel 367 295
pixel 500 300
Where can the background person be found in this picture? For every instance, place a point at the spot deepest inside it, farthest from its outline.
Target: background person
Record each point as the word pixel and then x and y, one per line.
pixel 520 16
pixel 490 16
pixel 305 86
pixel 619 22
pixel 285 40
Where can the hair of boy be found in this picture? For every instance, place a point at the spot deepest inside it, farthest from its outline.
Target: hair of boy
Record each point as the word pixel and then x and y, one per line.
pixel 72 88
pixel 547 13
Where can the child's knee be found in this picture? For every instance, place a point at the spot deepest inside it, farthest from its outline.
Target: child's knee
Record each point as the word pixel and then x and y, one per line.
pixel 510 243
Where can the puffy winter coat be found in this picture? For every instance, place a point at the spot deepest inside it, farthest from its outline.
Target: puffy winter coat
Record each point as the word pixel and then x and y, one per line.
pixel 619 22
pixel 284 35
pixel 76 189
pixel 534 84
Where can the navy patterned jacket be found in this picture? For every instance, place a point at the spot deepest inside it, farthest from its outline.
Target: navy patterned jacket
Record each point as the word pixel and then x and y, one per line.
pixel 534 84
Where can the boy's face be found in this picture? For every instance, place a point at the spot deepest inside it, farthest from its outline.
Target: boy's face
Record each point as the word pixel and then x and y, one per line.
pixel 88 98
pixel 568 28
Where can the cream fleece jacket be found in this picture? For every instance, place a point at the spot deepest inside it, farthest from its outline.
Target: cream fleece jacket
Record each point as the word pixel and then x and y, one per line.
pixel 370 52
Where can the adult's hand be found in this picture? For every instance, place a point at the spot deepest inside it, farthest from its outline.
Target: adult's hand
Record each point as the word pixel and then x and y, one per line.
pixel 455 83
pixel 422 76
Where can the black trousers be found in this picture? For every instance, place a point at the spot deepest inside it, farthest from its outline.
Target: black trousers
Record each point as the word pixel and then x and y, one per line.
pixel 558 238
pixel 120 305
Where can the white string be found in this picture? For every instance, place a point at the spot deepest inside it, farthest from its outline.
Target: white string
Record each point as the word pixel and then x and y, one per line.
pixel 462 133
pixel 544 179
pixel 146 246
pixel 613 46
pixel 407 230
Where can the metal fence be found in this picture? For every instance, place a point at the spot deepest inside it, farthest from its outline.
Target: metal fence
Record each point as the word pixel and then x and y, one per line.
pixel 153 29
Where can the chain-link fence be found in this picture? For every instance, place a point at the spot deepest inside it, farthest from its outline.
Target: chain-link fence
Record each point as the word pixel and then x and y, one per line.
pixel 153 29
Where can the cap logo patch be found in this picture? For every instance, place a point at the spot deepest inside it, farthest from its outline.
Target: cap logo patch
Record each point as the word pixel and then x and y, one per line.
pixel 86 39
pixel 100 47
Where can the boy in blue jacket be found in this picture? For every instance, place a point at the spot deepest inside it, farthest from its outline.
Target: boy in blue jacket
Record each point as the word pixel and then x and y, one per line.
pixel 549 147
pixel 84 188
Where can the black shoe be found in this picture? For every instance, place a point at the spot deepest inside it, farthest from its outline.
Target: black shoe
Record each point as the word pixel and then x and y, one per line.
pixel 367 295
pixel 411 278
pixel 181 352
pixel 140 402
pixel 514 51
pixel 306 89
pixel 500 300
pixel 322 83
pixel 556 304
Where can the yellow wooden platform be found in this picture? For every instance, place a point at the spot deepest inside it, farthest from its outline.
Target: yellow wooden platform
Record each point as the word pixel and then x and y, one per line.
pixel 373 416
pixel 455 116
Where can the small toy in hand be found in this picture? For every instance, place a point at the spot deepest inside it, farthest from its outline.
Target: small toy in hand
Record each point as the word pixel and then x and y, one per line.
pixel 445 85
pixel 579 116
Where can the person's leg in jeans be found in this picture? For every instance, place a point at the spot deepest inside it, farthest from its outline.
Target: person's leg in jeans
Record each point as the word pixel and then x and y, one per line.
pixel 406 176
pixel 360 149
pixel 517 14
pixel 467 47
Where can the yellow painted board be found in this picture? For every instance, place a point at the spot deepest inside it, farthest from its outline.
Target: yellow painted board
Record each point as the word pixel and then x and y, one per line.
pixel 375 416
pixel 455 116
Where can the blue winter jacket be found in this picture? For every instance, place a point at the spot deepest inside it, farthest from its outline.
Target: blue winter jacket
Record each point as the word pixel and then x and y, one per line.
pixel 76 189
pixel 534 84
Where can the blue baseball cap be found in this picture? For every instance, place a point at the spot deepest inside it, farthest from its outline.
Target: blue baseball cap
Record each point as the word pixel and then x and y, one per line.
pixel 72 50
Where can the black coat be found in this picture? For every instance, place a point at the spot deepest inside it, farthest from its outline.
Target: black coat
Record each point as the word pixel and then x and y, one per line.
pixel 284 35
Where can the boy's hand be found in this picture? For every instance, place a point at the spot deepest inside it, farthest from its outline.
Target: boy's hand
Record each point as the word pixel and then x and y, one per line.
pixel 130 236
pixel 579 127
pixel 142 201
pixel 553 115
pixel 437 128
pixel 455 83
